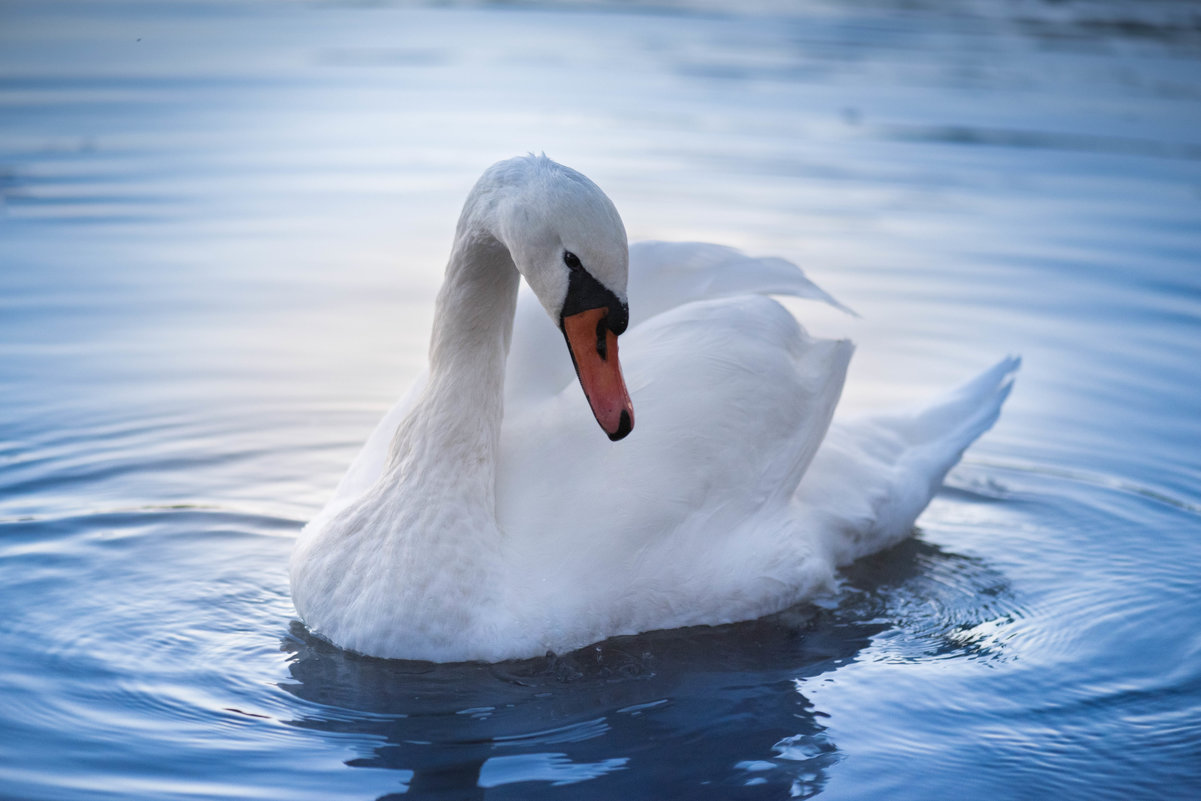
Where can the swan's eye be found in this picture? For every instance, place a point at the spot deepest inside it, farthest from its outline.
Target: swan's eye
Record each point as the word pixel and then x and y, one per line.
pixel 572 261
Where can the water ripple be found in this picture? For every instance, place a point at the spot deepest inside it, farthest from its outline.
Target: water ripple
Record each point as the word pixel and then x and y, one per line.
pixel 222 226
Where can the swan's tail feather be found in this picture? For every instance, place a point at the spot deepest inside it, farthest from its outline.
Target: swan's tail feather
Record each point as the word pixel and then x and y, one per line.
pixel 874 475
pixel 965 412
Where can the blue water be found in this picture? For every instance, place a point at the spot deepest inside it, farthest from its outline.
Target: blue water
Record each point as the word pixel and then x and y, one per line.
pixel 221 229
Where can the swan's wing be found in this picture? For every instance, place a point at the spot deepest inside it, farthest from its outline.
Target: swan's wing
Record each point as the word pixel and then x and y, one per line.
pixel 874 475
pixel 663 276
pixel 731 400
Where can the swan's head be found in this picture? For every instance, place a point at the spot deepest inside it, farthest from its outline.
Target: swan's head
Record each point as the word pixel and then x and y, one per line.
pixel 568 241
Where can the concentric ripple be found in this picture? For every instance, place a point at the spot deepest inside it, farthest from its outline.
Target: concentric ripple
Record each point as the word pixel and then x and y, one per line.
pixel 222 228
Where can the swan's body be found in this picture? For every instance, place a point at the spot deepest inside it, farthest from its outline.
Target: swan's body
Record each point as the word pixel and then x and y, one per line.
pixel 487 519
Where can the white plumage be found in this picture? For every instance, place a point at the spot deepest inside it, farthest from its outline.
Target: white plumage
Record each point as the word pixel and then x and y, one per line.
pixel 468 529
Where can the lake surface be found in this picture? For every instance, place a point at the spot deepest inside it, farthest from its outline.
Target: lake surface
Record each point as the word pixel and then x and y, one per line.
pixel 222 226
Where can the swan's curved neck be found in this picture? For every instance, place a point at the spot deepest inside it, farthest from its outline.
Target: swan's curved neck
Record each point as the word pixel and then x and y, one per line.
pixel 473 315
pixel 469 345
pixel 450 440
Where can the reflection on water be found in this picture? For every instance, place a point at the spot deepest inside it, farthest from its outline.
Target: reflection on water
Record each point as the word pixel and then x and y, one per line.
pixel 616 715
pixel 222 226
pixel 672 708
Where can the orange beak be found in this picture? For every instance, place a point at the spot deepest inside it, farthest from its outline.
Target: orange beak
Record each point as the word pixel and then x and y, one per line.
pixel 593 347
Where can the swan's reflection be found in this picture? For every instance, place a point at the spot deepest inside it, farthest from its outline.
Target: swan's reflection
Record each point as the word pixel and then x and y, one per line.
pixel 704 712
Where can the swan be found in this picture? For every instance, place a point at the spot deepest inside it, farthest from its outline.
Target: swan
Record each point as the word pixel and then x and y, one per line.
pixel 487 519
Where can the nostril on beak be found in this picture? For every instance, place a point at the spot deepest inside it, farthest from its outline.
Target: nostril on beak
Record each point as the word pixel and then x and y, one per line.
pixel 602 339
pixel 618 318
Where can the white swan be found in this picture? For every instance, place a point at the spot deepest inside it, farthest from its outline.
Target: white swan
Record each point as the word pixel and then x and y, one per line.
pixel 487 518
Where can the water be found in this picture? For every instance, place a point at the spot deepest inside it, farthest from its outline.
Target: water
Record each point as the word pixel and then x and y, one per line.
pixel 223 226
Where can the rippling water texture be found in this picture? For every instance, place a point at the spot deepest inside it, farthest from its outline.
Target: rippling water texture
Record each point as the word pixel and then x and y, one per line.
pixel 222 228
